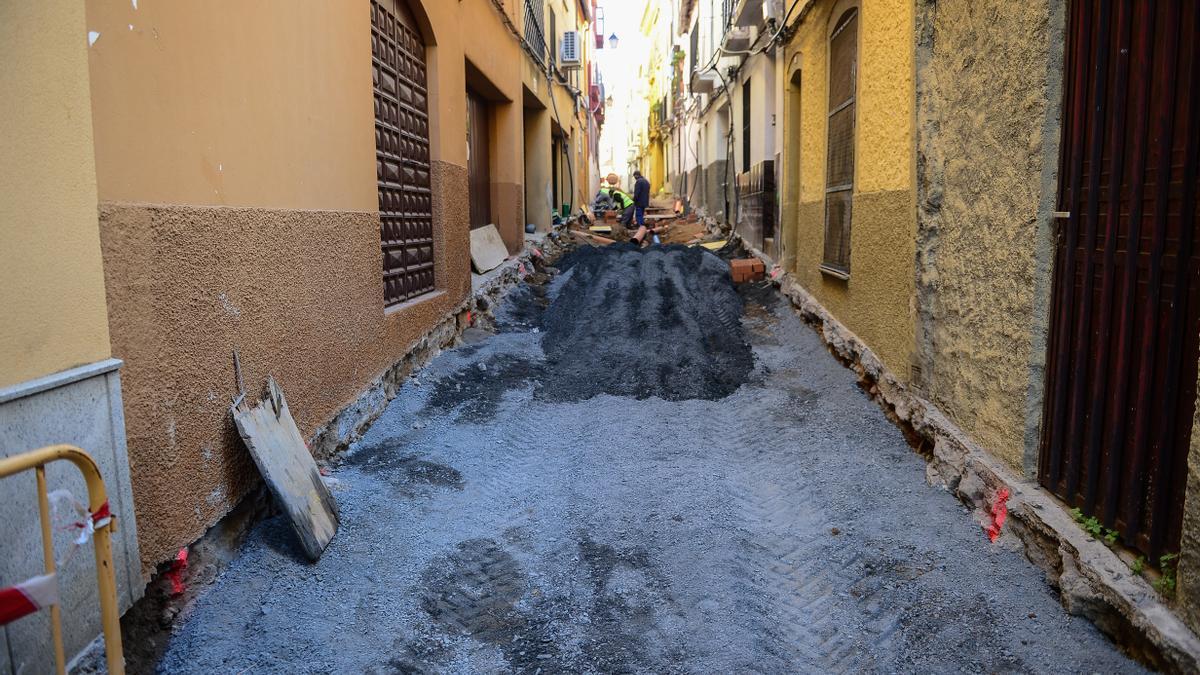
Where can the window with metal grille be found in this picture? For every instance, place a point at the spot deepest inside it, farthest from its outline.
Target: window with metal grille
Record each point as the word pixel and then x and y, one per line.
pixel 693 48
pixel 402 152
pixel 839 168
pixel 553 39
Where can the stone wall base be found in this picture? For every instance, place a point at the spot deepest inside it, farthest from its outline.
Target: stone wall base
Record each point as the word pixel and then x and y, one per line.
pixel 1094 582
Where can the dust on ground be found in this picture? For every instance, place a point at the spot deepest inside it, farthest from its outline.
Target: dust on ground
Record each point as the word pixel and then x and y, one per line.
pixel 489 527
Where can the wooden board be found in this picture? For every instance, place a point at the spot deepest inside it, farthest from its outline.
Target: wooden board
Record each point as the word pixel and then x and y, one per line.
pixel 487 249
pixel 288 468
pixel 715 245
pixel 601 229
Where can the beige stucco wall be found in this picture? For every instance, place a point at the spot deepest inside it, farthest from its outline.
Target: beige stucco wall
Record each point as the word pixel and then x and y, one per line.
pixel 235 157
pixel 52 314
pixel 984 142
pixel 226 102
pixel 877 302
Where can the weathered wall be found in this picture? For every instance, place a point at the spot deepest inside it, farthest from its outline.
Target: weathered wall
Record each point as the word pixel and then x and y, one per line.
pixel 988 91
pixel 1188 595
pixel 876 303
pixel 310 313
pixel 52 314
pixel 236 168
pixel 714 192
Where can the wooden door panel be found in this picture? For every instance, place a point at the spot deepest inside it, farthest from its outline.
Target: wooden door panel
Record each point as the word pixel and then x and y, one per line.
pixel 402 152
pixel 1125 317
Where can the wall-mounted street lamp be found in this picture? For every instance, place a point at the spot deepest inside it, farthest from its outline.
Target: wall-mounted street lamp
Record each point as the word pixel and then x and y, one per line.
pixel 612 41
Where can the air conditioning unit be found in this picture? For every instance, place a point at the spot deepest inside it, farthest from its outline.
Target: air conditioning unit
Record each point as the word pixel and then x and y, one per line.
pixel 738 39
pixel 570 49
pixel 772 10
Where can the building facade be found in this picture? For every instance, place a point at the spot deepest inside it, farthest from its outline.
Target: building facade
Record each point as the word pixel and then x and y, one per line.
pixel 293 185
pixel 60 379
pixel 958 184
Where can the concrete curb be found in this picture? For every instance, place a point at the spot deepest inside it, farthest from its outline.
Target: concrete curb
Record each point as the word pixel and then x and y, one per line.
pixel 1092 579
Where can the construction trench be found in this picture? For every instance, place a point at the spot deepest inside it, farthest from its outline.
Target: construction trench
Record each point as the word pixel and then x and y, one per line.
pixel 640 467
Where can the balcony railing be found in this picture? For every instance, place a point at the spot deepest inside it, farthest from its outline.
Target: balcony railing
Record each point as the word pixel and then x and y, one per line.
pixel 535 30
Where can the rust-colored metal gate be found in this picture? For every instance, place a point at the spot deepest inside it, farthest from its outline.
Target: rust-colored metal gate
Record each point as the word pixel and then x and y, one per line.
pixel 402 152
pixel 1121 367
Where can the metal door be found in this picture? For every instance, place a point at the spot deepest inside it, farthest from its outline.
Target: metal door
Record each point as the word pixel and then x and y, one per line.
pixel 1121 367
pixel 478 161
pixel 402 152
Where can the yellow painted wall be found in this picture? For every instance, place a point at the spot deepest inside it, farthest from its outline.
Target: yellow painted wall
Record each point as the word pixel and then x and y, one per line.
pixel 52 311
pixel 877 302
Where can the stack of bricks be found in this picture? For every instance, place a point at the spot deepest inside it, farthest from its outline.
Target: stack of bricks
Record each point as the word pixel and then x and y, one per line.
pixel 746 269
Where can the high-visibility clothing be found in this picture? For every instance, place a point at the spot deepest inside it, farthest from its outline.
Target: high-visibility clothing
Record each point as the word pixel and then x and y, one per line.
pixel 623 200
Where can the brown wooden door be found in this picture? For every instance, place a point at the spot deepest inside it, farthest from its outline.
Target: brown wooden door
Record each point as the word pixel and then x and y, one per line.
pixel 402 152
pixel 478 161
pixel 1121 367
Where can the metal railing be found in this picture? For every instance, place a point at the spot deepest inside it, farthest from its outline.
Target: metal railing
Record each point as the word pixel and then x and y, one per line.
pixel 535 32
pixel 106 583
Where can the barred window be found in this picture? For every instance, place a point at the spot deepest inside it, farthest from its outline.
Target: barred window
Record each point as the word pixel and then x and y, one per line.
pixel 839 168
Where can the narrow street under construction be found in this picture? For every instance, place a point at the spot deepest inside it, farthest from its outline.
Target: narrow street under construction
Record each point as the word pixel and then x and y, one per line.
pixel 599 336
pixel 644 469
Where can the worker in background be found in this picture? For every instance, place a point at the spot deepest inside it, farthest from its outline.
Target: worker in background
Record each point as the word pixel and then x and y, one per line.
pixel 624 203
pixel 641 201
pixel 603 201
pixel 641 196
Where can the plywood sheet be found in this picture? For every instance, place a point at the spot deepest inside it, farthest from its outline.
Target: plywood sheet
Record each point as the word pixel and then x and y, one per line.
pixel 487 249
pixel 288 468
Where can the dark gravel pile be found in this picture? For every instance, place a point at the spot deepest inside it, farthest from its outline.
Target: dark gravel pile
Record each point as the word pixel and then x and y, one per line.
pixel 662 321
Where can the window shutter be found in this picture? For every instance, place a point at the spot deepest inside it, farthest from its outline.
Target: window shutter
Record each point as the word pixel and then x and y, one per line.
pixel 839 167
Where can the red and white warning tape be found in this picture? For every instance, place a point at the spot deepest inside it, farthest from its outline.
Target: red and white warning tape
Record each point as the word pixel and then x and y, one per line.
pixel 27 597
pixel 40 592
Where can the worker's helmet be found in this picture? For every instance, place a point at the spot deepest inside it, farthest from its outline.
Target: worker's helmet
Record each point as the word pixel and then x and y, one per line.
pixel 613 179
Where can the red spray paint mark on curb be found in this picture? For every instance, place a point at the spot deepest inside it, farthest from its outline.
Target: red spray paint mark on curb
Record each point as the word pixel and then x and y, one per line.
pixel 177 568
pixel 999 514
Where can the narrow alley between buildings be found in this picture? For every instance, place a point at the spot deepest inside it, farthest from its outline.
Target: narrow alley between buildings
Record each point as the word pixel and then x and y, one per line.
pixel 635 475
pixel 556 336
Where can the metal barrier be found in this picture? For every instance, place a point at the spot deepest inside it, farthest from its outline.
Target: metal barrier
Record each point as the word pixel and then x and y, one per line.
pixel 110 616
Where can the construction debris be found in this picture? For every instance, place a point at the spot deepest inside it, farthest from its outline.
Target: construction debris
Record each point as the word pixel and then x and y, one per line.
pixel 487 249
pixel 746 269
pixel 662 321
pixel 288 468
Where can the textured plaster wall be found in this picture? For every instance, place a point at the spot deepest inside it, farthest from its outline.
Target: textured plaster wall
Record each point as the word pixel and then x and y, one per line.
pixel 877 302
pixel 297 293
pixel 714 193
pixel 1189 555
pixel 52 314
pixel 987 119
